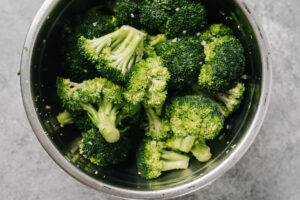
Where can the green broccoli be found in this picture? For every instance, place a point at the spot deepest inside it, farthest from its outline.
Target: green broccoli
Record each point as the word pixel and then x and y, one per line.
pixel 194 115
pixel 90 25
pixel 183 57
pixel 114 54
pixel 176 18
pixel 213 32
pixel 147 84
pixel 187 20
pixel 201 151
pixel 183 144
pixel 231 99
pixel 127 13
pixel 153 16
pixel 111 108
pixel 153 159
pixel 65 118
pixel 95 148
pixel 224 64
pixel 157 127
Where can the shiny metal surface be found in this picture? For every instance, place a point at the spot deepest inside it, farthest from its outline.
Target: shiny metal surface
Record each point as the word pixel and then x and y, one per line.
pixel 40 66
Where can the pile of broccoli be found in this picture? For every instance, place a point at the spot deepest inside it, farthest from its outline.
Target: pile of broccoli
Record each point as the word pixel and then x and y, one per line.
pixel 154 64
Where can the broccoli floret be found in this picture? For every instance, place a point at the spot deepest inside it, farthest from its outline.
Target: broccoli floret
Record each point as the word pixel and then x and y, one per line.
pixel 201 151
pixel 90 25
pixel 213 32
pixel 115 53
pixel 65 118
pixel 231 99
pixel 153 16
pixel 147 83
pixel 187 20
pixel 95 148
pixel 127 13
pixel 183 144
pixel 194 115
pixel 224 64
pixel 156 39
pixel 157 128
pixel 107 96
pixel 153 159
pixel 183 57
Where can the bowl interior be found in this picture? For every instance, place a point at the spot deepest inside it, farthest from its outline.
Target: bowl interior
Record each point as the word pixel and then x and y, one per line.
pixel 46 66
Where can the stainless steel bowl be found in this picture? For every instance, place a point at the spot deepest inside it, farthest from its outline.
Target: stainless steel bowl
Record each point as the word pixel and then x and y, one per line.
pixel 41 64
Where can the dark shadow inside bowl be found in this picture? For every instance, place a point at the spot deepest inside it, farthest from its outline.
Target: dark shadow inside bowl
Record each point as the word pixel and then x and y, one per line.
pixel 46 66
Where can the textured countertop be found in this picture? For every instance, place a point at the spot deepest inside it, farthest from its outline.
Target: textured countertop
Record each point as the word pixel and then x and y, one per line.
pixel 270 169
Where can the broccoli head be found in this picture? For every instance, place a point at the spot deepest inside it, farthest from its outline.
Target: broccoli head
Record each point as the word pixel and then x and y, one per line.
pixel 213 32
pixel 187 20
pixel 147 83
pixel 101 99
pixel 194 116
pixel 224 64
pixel 153 159
pixel 90 25
pixel 95 148
pixel 153 16
pixel 231 99
pixel 201 151
pixel 114 54
pixel 183 57
pixel 127 13
pixel 65 118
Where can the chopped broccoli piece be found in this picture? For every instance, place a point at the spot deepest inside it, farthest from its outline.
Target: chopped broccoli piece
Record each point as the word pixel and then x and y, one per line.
pixel 103 93
pixel 127 13
pixel 156 40
pixel 115 53
pixel 213 32
pixel 153 16
pixel 183 57
pixel 224 64
pixel 194 116
pixel 65 118
pixel 187 20
pixel 153 159
pixel 183 144
pixel 157 128
pixel 95 148
pixel 90 25
pixel 201 151
pixel 231 99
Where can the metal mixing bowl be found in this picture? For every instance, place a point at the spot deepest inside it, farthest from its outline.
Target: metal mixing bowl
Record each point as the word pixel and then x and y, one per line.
pixel 41 64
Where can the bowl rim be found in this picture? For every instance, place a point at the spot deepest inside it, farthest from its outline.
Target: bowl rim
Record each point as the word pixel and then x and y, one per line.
pixel 176 191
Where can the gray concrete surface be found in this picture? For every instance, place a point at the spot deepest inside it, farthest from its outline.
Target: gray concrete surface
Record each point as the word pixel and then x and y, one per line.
pixel 270 170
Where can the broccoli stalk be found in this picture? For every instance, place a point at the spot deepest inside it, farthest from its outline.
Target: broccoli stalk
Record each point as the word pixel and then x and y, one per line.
pixel 172 160
pixel 65 118
pixel 156 128
pixel 116 52
pixel 104 119
pixel 201 151
pixel 183 144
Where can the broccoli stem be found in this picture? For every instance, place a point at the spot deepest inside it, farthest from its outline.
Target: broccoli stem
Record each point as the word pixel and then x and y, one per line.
pixel 201 151
pixel 184 144
pixel 65 118
pixel 173 160
pixel 156 40
pixel 105 120
pixel 155 123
